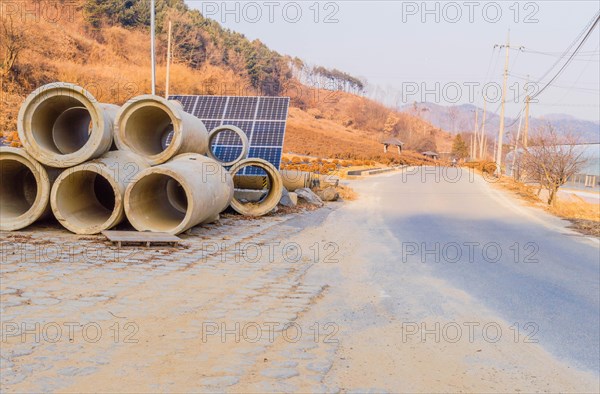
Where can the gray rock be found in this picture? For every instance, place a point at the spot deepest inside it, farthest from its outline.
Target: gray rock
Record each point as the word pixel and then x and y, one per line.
pixel 299 355
pixel 13 378
pixel 274 386
pixel 74 371
pixel 45 301
pixel 5 364
pixel 249 195
pixel 309 196
pixel 286 200
pixel 279 373
pixel 285 364
pixel 220 381
pixel 35 294
pixel 329 194
pixel 20 350
pixel 319 366
pixel 293 197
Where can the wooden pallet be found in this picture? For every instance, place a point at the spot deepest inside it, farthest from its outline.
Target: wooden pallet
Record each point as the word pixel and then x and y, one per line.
pixel 129 237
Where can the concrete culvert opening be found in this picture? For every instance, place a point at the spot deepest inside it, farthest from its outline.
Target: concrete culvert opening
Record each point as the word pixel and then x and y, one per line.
pixel 158 201
pixel 252 189
pixel 72 130
pixel 61 125
pixel 167 136
pixel 18 189
pixel 228 144
pixel 149 130
pixel 85 199
pixel 260 200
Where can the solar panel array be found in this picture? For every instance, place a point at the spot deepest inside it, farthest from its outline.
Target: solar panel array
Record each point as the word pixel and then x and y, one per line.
pixel 263 119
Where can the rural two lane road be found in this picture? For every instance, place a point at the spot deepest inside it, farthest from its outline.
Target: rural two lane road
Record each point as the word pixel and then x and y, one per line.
pixel 451 262
pixel 524 264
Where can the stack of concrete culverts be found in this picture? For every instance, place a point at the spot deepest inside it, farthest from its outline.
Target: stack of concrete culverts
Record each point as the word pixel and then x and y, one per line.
pixel 92 165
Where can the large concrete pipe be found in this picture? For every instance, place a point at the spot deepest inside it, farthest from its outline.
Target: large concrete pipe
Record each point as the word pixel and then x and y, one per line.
pixel 88 198
pixel 63 125
pixel 294 179
pixel 159 129
pixel 175 196
pixel 274 183
pixel 230 135
pixel 24 189
pixel 250 182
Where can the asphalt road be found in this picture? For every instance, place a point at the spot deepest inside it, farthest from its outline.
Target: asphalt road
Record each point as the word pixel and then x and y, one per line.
pixel 518 262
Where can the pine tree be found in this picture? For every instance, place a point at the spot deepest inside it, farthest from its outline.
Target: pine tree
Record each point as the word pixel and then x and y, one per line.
pixel 459 147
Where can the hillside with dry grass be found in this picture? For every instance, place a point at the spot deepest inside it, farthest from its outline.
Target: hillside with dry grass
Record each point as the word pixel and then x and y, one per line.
pixel 110 58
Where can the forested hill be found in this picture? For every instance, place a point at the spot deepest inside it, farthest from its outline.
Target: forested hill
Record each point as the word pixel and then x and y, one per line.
pixel 199 40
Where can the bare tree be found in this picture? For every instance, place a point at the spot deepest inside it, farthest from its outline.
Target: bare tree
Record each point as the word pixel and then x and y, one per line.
pixel 552 159
pixel 13 40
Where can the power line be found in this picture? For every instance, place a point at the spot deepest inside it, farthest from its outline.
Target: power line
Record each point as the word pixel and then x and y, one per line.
pixel 590 26
pixel 520 49
pixel 489 68
pixel 558 54
pixel 568 50
pixel 572 87
pixel 585 38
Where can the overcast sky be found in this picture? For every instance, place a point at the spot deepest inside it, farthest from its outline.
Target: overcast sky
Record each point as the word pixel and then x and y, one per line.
pixel 439 52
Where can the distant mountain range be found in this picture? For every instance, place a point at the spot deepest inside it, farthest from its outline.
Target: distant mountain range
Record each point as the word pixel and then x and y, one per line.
pixel 461 118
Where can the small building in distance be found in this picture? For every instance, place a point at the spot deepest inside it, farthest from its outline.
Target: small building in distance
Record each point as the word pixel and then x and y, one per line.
pixel 393 142
pixel 431 155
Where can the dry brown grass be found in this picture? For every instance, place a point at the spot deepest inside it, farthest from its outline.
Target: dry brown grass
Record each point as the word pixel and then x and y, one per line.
pixel 113 66
pixel 307 135
pixel 523 191
pixel 577 209
pixel 584 216
pixel 347 193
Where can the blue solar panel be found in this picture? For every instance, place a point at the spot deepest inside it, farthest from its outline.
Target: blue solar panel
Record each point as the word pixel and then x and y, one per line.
pixel 267 134
pixel 211 124
pixel 227 151
pixel 241 108
pixel 272 155
pixel 205 107
pixel 272 108
pixel 263 119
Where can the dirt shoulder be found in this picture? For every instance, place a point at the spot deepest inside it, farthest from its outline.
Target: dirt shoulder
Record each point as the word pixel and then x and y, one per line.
pixel 584 216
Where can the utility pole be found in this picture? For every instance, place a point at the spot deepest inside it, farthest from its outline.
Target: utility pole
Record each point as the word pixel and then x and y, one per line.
pixel 499 139
pixel 471 149
pixel 481 148
pixel 152 48
pixel 502 105
pixel 484 146
pixel 475 135
pixel 526 131
pixel 515 153
pixel 168 61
